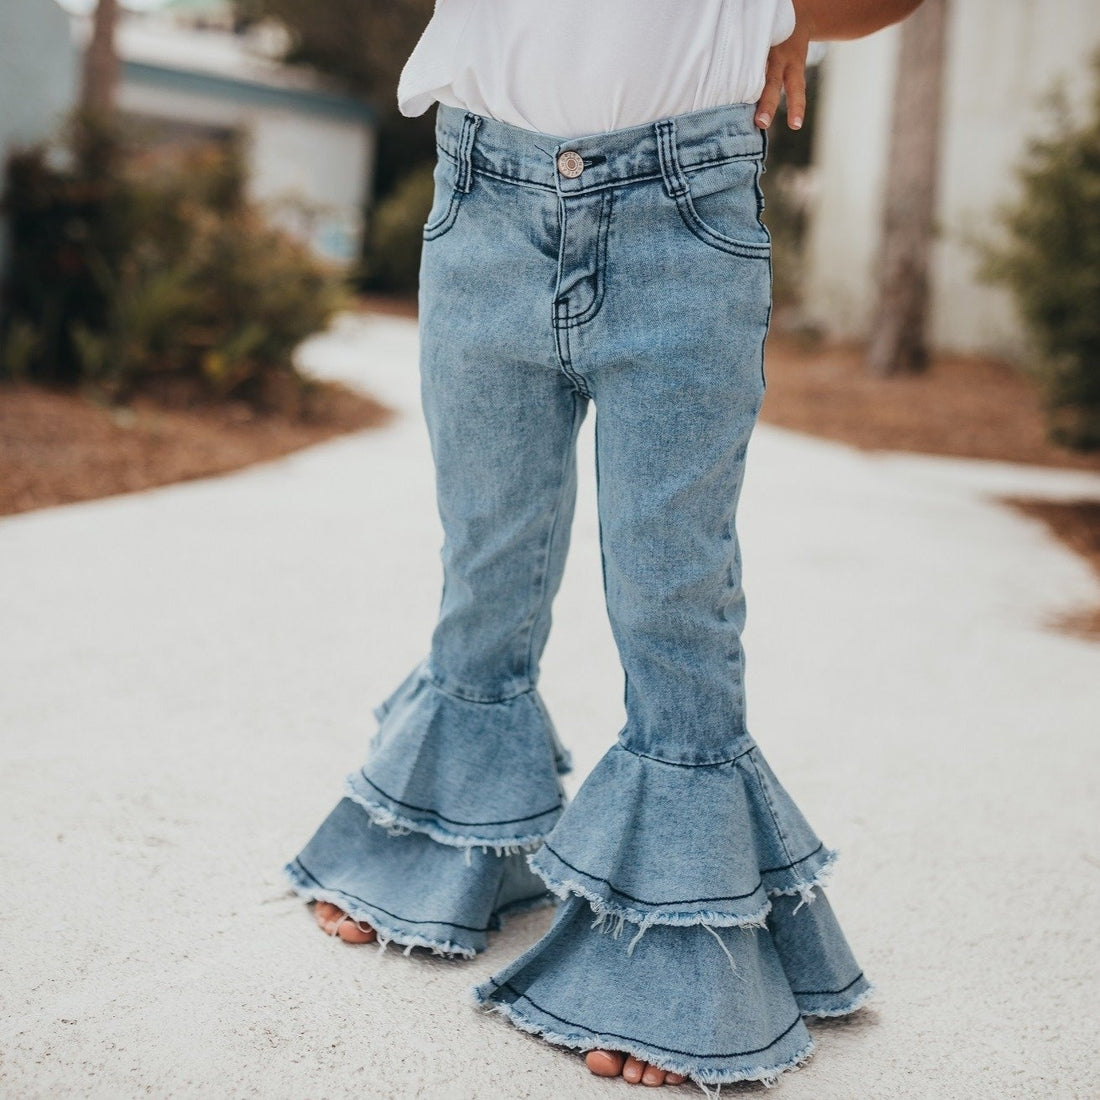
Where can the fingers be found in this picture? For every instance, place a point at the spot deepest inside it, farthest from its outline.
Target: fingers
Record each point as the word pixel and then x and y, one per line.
pixel 795 83
pixel 773 88
pixel 785 72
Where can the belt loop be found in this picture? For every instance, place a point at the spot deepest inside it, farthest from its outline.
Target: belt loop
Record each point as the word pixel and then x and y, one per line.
pixel 676 184
pixel 464 178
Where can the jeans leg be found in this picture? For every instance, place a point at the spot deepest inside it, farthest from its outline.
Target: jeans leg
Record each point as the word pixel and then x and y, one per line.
pixel 463 775
pixel 693 931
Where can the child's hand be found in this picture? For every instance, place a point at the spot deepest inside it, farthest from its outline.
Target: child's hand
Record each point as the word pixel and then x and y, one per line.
pixel 786 70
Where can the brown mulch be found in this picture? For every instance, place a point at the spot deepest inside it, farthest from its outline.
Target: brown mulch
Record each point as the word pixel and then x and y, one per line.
pixel 57 446
pixel 963 406
pixel 390 305
pixel 1077 524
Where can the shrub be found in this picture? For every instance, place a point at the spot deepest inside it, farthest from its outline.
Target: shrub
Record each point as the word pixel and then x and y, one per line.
pixel 1050 261
pixel 152 272
pixel 394 235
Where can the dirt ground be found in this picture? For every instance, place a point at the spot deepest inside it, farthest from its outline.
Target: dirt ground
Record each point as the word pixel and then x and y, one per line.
pixel 57 447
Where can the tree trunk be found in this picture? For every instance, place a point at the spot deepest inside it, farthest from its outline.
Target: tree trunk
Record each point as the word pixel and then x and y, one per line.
pixel 101 61
pixel 898 341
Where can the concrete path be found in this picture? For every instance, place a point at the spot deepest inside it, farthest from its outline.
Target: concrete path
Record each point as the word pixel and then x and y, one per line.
pixel 186 675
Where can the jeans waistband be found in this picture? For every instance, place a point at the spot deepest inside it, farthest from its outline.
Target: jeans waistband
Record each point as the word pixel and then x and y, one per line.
pixel 664 149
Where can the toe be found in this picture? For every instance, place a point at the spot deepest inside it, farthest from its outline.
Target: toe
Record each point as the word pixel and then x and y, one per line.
pixel 353 931
pixel 653 1075
pixel 327 915
pixel 604 1063
pixel 674 1078
pixel 633 1070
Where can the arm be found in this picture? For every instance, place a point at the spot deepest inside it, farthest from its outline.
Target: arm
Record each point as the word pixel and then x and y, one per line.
pixel 819 20
pixel 835 19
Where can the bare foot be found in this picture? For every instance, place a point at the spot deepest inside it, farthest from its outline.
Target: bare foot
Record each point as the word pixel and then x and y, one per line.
pixel 336 922
pixel 604 1063
pixel 609 1063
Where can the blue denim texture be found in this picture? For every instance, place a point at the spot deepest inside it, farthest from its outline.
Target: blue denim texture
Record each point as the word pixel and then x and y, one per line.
pixel 692 929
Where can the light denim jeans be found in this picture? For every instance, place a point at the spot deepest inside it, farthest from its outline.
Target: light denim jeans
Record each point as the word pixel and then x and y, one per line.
pixel 631 270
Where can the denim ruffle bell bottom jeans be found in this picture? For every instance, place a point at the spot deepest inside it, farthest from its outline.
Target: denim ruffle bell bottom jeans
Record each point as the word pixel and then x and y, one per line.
pixel 629 269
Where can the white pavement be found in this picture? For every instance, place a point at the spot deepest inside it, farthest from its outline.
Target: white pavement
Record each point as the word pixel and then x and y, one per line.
pixel 186 675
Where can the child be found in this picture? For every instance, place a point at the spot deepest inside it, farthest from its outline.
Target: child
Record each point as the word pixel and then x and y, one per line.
pixel 596 237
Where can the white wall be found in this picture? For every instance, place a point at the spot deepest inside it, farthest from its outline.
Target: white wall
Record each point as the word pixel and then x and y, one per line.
pixel 1004 56
pixel 293 157
pixel 38 74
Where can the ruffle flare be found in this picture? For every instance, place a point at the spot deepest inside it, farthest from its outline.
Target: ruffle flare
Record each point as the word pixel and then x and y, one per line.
pixel 694 932
pixel 467 774
pixel 717 1005
pixel 658 843
pixel 428 844
pixel 409 888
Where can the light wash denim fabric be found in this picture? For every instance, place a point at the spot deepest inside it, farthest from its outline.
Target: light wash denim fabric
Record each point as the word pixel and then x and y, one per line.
pixel 633 273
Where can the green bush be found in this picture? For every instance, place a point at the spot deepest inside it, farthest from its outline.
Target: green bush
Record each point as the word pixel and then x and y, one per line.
pixel 394 234
pixel 1051 263
pixel 133 273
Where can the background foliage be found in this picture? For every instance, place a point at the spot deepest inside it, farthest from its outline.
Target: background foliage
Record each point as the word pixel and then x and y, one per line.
pixel 134 273
pixel 1050 260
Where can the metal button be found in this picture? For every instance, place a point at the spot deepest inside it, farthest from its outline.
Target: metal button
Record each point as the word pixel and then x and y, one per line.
pixel 570 164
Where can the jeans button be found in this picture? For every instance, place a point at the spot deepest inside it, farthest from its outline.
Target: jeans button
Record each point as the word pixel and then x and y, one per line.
pixel 570 164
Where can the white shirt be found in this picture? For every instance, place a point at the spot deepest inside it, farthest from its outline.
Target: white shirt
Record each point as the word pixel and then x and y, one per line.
pixel 576 67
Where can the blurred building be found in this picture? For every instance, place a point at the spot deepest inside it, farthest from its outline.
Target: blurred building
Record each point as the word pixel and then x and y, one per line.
pixel 310 149
pixel 186 75
pixel 38 74
pixel 1004 57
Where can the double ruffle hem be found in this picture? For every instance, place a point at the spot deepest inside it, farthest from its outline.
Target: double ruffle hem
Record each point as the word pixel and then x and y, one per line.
pixel 692 930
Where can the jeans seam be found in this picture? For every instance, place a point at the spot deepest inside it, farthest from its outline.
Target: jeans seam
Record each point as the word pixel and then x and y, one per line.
pixel 686 901
pixel 826 992
pixel 438 229
pixel 712 238
pixel 563 482
pixel 452 820
pixel 481 700
pixel 682 764
pixel 614 181
pixel 575 320
pixel 396 916
pixel 644 1042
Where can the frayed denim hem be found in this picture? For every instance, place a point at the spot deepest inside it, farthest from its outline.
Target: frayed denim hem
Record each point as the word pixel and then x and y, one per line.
pixel 805 889
pixel 610 916
pixel 398 825
pixel 386 931
pixel 853 1005
pixel 767 1075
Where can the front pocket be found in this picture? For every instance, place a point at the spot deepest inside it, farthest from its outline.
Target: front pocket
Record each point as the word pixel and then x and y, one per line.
pixel 445 200
pixel 722 207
